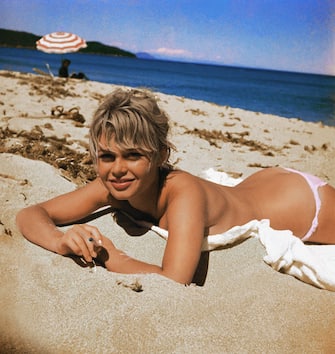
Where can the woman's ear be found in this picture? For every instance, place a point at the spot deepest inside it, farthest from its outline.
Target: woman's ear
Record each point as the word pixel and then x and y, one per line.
pixel 163 156
pixel 95 166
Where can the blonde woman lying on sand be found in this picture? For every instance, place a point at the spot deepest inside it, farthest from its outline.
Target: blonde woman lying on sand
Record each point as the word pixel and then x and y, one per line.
pixel 130 149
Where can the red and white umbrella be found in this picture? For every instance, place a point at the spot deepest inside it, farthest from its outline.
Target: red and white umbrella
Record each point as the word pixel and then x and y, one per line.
pixel 60 43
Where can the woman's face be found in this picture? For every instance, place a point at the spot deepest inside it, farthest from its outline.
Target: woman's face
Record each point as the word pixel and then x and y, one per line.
pixel 127 174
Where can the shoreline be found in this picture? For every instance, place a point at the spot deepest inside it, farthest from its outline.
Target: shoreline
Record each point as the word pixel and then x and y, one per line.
pixel 262 89
pixel 244 306
pixel 229 139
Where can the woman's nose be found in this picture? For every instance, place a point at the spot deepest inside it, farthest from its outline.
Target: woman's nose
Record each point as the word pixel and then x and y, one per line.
pixel 119 167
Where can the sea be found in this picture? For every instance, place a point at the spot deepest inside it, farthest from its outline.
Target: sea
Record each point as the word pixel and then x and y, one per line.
pixel 309 97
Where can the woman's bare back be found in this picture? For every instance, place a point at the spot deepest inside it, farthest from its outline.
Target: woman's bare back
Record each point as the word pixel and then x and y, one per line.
pixel 277 194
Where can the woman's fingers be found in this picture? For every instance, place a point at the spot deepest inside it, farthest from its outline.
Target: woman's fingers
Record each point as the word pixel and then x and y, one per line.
pixel 84 240
pixel 95 236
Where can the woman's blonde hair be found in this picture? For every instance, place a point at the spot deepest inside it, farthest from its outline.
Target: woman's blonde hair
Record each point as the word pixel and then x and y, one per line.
pixel 135 121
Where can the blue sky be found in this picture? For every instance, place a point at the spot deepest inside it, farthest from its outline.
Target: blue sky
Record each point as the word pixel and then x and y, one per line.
pixel 294 35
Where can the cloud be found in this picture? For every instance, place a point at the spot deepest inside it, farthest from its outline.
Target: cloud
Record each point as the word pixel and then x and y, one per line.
pixel 171 52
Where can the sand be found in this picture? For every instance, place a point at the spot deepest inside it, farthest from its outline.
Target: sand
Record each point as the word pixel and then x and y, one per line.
pixel 50 304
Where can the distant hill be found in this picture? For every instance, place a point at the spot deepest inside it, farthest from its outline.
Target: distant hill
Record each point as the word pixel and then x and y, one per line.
pixel 10 38
pixel 99 48
pixel 143 55
pixel 17 39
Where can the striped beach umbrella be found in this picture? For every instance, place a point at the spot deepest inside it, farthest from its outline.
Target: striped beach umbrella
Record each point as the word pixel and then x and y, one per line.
pixel 60 43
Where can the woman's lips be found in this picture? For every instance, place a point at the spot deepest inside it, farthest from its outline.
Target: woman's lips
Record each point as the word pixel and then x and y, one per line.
pixel 120 185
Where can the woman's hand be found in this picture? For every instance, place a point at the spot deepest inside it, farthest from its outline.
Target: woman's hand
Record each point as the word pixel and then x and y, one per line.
pixel 82 240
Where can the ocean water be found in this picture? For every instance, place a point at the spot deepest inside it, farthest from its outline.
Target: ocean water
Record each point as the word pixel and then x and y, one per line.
pixel 293 95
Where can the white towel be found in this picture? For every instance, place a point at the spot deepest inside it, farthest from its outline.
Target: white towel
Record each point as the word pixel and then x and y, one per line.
pixel 312 264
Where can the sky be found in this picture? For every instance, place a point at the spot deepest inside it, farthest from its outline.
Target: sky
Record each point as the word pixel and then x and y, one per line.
pixel 290 35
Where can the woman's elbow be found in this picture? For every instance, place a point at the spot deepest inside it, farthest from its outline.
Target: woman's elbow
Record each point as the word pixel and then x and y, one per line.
pixel 27 216
pixel 20 218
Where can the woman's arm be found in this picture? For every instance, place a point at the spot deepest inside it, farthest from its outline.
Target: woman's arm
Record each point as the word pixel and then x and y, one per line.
pixel 38 222
pixel 186 219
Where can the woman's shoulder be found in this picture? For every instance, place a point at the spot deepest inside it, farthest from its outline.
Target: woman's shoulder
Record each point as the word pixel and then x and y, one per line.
pixel 177 177
pixel 181 184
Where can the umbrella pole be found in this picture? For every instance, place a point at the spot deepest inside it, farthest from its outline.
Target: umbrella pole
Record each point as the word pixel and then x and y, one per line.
pixel 49 70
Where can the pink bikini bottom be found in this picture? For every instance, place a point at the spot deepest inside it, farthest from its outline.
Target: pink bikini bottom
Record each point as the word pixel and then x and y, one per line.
pixel 314 183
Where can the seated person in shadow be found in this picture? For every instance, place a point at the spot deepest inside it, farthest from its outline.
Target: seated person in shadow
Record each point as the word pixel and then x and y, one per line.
pixel 64 71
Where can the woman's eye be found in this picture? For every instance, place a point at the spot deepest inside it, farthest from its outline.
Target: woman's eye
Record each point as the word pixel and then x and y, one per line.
pixel 134 155
pixel 106 157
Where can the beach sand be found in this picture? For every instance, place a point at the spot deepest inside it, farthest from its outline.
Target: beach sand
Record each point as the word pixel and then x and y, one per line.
pixel 50 304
